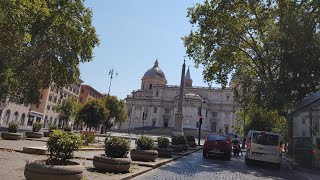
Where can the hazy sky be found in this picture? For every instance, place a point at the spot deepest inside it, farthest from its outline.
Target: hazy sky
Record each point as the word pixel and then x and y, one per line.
pixel 133 33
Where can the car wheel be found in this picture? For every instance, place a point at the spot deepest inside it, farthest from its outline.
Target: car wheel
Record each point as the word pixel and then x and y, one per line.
pixel 205 154
pixel 228 157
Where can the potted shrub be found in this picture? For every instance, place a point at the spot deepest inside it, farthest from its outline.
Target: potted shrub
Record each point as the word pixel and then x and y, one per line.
pixel 87 137
pixel 51 128
pixel 191 141
pixel 61 146
pixel 35 131
pixel 163 147
pixel 144 151
pixel 115 159
pixel 179 143
pixel 12 132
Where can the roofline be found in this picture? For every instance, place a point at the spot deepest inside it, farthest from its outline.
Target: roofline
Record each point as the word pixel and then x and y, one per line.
pixel 90 87
pixel 313 99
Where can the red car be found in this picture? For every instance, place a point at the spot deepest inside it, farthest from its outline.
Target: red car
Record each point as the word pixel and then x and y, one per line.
pixel 217 144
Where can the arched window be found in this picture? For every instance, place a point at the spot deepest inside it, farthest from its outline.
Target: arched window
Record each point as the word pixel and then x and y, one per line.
pixel 15 116
pixel 7 117
pixel 150 86
pixel 23 117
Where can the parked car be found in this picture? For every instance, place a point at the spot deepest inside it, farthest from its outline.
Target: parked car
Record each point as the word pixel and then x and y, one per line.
pixel 217 144
pixel 263 146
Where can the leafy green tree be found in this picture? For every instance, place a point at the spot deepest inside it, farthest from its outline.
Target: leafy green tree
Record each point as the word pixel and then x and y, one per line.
pixel 42 42
pixel 274 43
pixel 117 111
pixel 93 113
pixel 67 110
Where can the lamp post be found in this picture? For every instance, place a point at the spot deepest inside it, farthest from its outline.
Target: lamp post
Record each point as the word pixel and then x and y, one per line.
pixel 111 72
pixel 200 121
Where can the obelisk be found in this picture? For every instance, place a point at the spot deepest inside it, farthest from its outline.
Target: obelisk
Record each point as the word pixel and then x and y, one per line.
pixel 178 122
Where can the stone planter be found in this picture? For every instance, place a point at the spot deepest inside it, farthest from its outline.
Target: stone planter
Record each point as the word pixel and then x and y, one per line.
pixel 185 147
pixel 11 136
pixel 46 133
pixel 192 144
pixel 113 165
pixel 33 134
pixel 143 155
pixel 177 148
pixel 165 152
pixel 38 170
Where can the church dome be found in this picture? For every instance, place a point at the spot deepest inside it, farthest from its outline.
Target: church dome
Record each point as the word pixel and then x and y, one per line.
pixel 155 71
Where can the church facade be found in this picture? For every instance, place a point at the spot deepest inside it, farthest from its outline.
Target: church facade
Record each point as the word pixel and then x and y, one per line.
pixel 155 104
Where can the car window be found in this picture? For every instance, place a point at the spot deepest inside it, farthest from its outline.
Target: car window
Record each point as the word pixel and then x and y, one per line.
pixel 217 138
pixel 265 139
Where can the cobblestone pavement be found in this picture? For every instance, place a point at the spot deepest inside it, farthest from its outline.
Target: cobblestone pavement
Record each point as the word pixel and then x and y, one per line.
pixel 195 167
pixel 18 145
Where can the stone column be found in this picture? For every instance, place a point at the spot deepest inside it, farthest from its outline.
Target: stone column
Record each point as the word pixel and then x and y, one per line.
pixel 178 123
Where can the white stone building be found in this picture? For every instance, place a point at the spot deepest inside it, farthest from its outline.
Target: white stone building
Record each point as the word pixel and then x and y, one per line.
pixel 155 104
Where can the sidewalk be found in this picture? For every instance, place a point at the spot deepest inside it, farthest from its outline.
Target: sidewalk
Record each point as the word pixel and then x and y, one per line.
pixel 307 174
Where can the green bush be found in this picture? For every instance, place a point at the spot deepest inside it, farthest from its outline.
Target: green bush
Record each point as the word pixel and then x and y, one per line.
pixel 190 139
pixel 61 146
pixel 176 140
pixel 13 127
pixel 145 143
pixel 117 147
pixel 87 137
pixel 163 142
pixel 67 128
pixel 53 127
pixel 36 127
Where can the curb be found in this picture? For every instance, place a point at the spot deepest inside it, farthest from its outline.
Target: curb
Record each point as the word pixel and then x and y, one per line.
pixel 292 167
pixel 159 165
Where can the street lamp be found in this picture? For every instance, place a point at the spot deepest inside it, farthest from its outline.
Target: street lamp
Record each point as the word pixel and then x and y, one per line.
pixel 200 121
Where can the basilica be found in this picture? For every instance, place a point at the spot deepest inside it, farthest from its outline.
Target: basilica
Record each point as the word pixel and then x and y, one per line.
pixel 155 104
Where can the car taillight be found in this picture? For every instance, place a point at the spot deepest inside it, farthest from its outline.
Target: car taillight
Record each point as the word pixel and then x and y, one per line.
pixel 314 152
pixel 281 148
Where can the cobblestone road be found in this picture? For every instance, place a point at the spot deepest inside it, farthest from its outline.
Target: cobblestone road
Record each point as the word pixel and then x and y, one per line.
pixel 195 167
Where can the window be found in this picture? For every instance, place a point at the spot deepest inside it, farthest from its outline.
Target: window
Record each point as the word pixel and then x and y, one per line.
pixel 150 86
pixel 167 111
pixel 82 90
pixel 227 98
pixel 226 130
pixel 217 138
pixel 214 114
pixel 199 110
pixel 143 87
pixel 155 110
pixel 129 113
pixel 206 113
pixel 265 139
pixel 59 102
pixel 48 107
pixel 50 98
pixel 144 115
pixel 157 93
pixel 55 100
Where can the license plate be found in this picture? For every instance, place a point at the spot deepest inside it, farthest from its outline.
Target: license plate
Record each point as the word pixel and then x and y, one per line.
pixel 215 151
pixel 257 154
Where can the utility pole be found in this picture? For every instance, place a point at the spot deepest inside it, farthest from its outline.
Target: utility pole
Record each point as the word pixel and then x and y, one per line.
pixel 200 121
pixel 111 72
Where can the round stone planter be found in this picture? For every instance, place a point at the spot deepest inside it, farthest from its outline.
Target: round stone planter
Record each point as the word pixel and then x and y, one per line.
pixel 143 155
pixel 192 144
pixel 113 165
pixel 46 133
pixel 38 170
pixel 185 147
pixel 11 136
pixel 165 152
pixel 32 134
pixel 177 148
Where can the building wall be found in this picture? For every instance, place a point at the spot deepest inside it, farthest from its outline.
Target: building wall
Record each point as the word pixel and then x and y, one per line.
pixel 88 93
pixel 14 112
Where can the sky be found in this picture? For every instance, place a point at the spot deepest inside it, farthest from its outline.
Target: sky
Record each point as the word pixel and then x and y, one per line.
pixel 133 34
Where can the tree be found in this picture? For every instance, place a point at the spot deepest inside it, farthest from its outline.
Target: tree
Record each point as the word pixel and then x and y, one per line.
pixel 273 43
pixel 93 113
pixel 42 42
pixel 67 110
pixel 117 111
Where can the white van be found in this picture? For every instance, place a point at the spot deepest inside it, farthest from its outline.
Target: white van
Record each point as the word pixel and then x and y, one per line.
pixel 263 146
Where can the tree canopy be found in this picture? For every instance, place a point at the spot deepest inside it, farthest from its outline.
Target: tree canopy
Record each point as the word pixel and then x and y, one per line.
pixel 117 109
pixel 93 113
pixel 42 42
pixel 68 109
pixel 273 44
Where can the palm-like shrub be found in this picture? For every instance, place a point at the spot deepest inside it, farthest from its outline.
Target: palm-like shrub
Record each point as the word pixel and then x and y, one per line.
pixel 190 139
pixel 163 142
pixel 36 127
pixel 13 127
pixel 61 146
pixel 145 143
pixel 117 147
pixel 176 140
